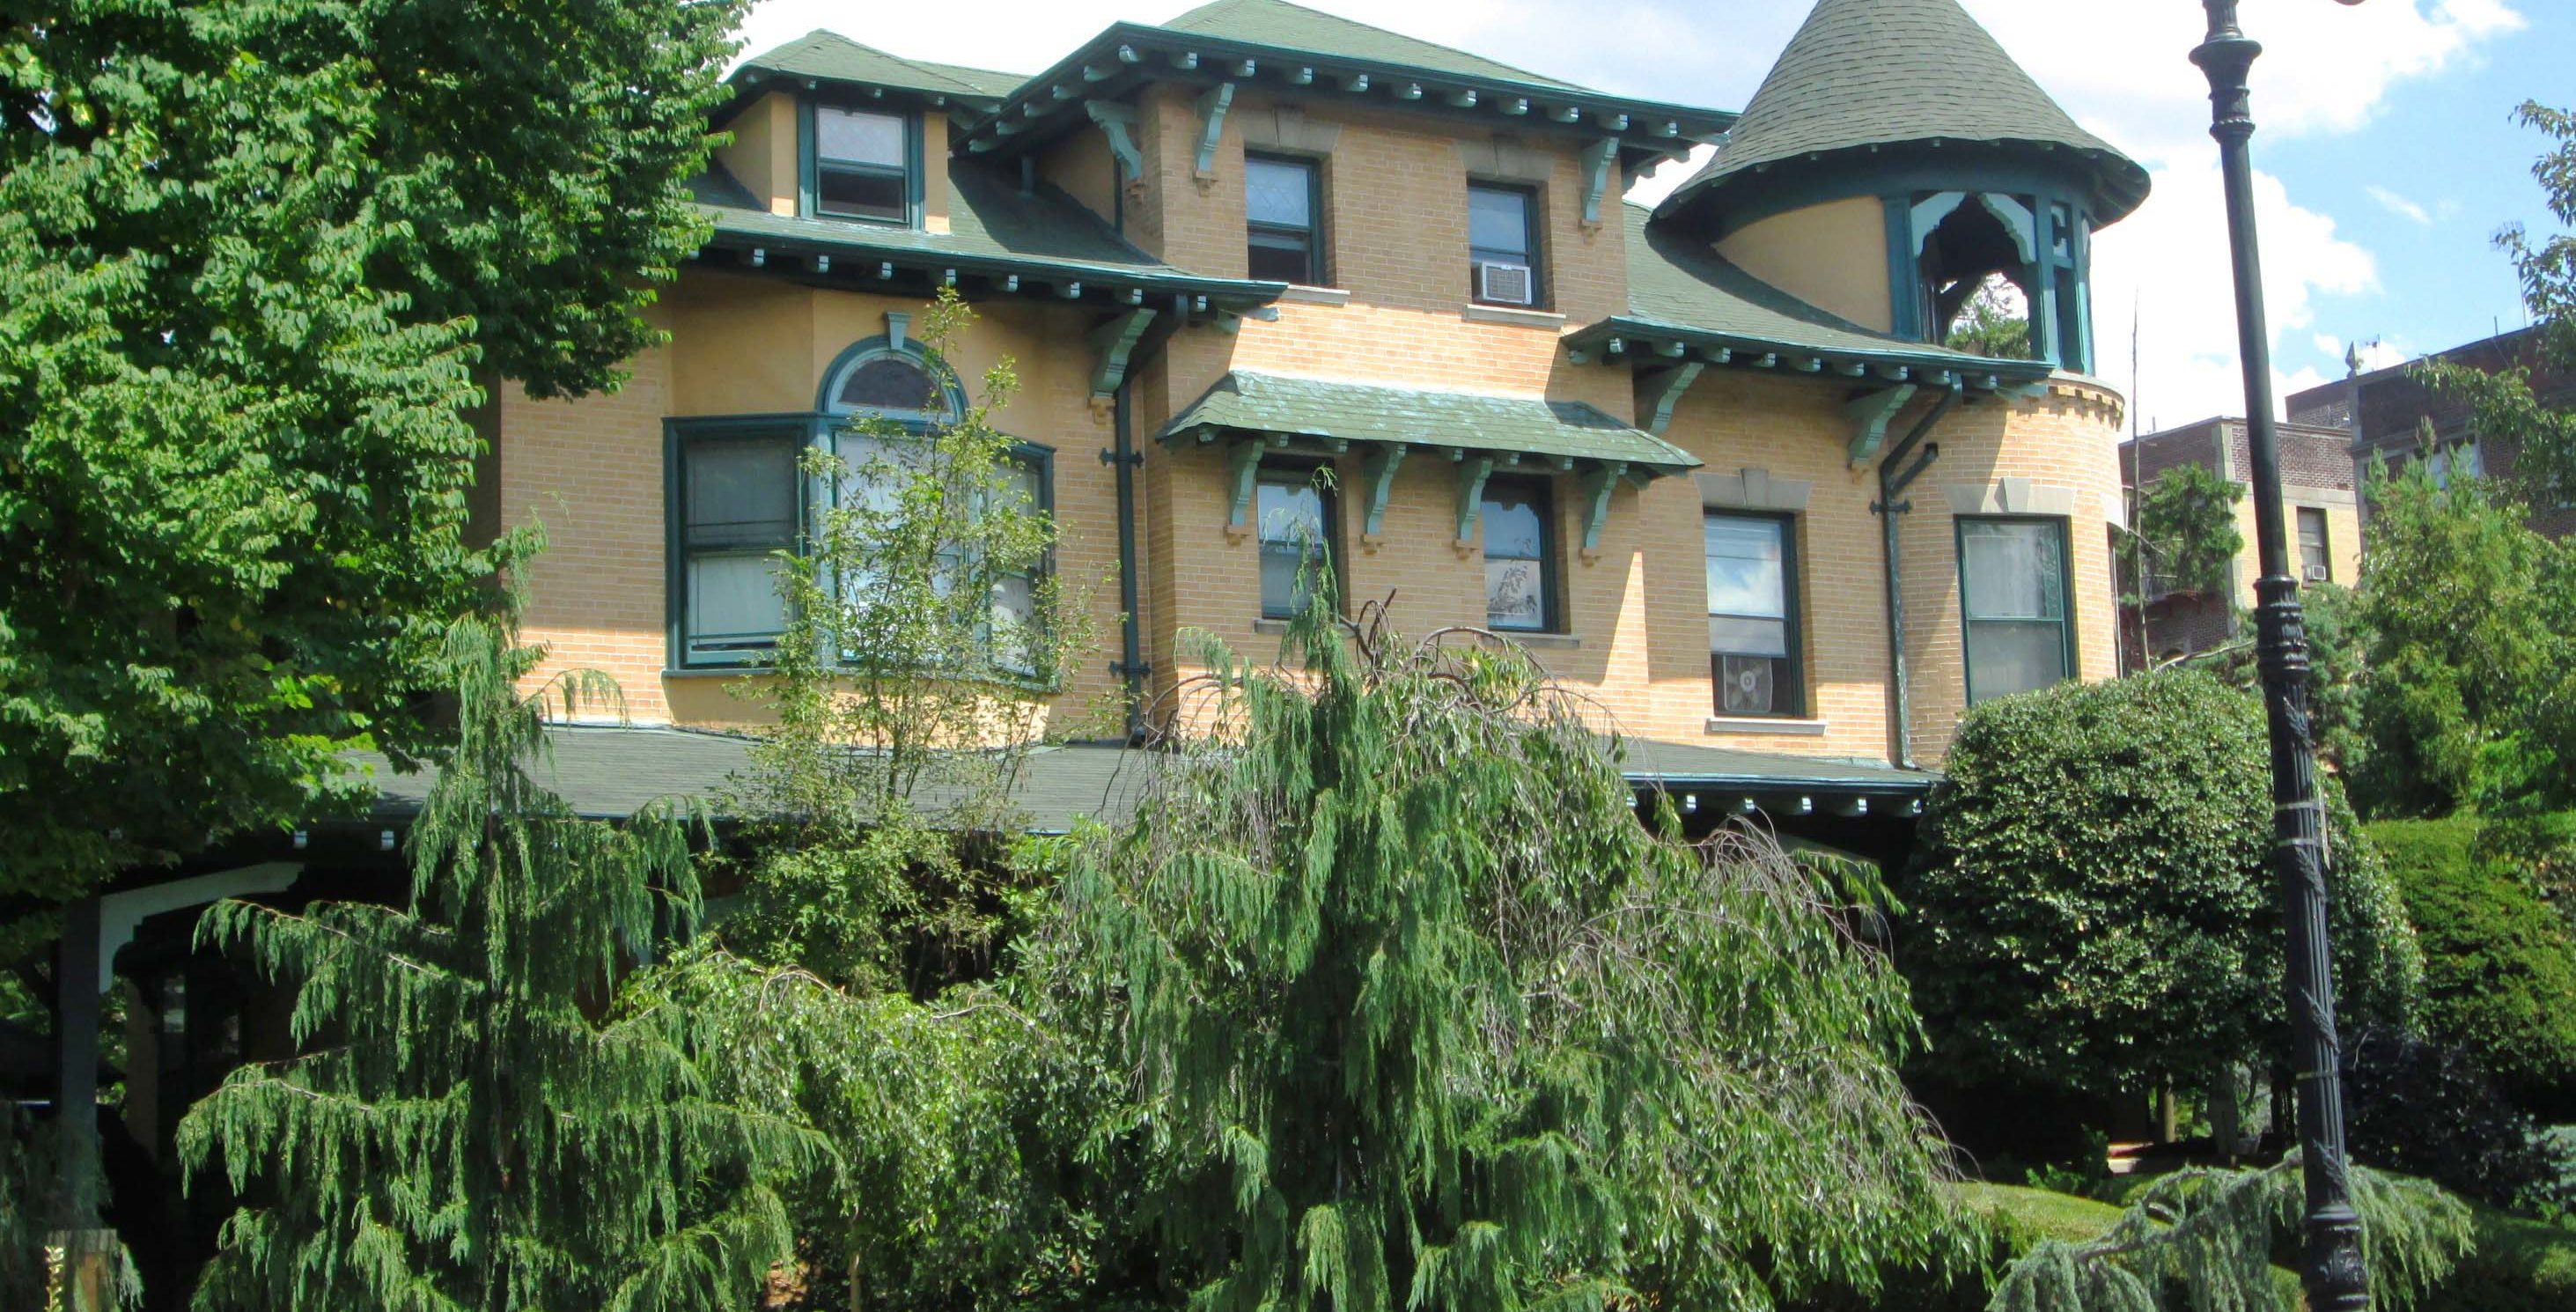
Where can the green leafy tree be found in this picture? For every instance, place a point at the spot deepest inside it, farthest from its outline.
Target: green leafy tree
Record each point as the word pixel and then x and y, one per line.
pixel 1418 1015
pixel 2188 518
pixel 928 635
pixel 2203 1240
pixel 2503 404
pixel 258 261
pixel 2092 904
pixel 461 1128
pixel 1995 322
pixel 2470 616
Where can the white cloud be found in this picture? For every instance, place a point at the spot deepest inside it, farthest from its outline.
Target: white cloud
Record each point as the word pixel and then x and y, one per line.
pixel 2399 205
pixel 2168 266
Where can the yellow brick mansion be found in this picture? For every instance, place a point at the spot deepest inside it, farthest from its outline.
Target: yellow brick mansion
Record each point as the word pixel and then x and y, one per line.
pixel 1710 461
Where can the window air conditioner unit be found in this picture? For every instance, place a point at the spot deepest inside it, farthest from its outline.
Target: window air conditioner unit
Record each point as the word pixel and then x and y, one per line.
pixel 2316 573
pixel 1503 282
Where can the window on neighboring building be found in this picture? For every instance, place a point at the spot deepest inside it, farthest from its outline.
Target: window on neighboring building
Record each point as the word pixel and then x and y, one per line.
pixel 1281 204
pixel 1753 614
pixel 1297 526
pixel 1520 555
pixel 740 505
pixel 2318 562
pixel 1502 246
pixel 2013 583
pixel 862 164
pixel 2460 460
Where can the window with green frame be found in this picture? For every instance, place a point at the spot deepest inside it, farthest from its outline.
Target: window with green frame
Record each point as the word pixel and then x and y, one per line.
pixel 738 506
pixel 863 163
pixel 2014 603
pixel 1754 660
pixel 1298 523
pixel 1503 246
pixel 1520 555
pixel 1283 219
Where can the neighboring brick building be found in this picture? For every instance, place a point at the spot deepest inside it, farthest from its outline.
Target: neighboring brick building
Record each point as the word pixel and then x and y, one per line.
pixel 2383 413
pixel 2317 488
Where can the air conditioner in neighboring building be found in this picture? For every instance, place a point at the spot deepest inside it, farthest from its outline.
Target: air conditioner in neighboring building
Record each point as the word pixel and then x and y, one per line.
pixel 2317 573
pixel 1503 282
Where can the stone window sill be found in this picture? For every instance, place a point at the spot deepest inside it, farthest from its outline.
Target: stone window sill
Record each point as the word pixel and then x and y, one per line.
pixel 1513 315
pixel 1546 641
pixel 1755 724
pixel 1300 294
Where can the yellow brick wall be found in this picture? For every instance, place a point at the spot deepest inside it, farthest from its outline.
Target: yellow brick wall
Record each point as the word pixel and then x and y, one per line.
pixel 1635 611
pixel 592 470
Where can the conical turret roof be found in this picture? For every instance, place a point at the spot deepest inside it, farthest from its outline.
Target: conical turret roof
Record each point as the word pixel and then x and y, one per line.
pixel 1866 75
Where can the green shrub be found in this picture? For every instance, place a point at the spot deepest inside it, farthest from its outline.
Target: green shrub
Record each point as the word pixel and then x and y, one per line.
pixel 2500 964
pixel 2518 1266
pixel 2540 850
pixel 2091 899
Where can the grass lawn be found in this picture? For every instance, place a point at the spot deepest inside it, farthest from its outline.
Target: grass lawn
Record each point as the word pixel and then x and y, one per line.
pixel 2047 1215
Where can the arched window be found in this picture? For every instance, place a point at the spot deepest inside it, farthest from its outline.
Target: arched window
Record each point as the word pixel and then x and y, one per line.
pixel 878 379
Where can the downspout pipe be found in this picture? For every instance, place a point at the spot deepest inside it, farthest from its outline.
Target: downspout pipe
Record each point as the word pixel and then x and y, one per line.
pixel 1123 457
pixel 1891 484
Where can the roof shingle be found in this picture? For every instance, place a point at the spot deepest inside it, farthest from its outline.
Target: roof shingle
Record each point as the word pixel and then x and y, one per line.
pixel 1332 410
pixel 832 57
pixel 1295 27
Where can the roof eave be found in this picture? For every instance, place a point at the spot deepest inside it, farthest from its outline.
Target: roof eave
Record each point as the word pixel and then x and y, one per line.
pixel 1097 282
pixel 1652 340
pixel 1098 70
pixel 2119 185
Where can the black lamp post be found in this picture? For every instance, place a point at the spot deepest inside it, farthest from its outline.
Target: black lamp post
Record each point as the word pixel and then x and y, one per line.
pixel 2332 1269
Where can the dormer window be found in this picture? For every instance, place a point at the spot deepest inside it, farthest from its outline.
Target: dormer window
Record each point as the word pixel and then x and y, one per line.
pixel 862 164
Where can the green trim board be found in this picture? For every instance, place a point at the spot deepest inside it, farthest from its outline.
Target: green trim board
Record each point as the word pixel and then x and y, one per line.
pixel 1337 415
pixel 1257 42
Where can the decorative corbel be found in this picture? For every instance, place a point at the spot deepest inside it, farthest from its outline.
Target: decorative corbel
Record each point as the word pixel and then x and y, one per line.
pixel 1377 477
pixel 1212 107
pixel 1242 471
pixel 1473 470
pixel 898 328
pixel 1869 414
pixel 1118 122
pixel 1599 158
pixel 1660 391
pixel 1112 343
pixel 1598 483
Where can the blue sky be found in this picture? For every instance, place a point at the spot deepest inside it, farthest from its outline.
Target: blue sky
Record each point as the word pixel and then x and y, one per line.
pixel 2387 157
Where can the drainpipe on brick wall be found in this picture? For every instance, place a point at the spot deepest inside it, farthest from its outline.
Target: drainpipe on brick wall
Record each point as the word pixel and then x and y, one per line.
pixel 1131 665
pixel 1892 483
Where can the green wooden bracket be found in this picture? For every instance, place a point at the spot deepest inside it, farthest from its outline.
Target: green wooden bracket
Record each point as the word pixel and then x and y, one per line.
pixel 1242 469
pixel 1869 414
pixel 1212 107
pixel 1379 476
pixel 1113 342
pixel 1598 160
pixel 1660 391
pixel 1119 122
pixel 1473 470
pixel 1602 480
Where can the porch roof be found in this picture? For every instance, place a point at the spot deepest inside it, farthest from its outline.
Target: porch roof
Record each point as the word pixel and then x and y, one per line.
pixel 1339 413
pixel 611 772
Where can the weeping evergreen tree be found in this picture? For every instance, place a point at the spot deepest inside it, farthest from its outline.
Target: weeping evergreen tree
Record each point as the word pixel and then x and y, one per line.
pixel 1419 1015
pixel 2203 1240
pixel 466 1126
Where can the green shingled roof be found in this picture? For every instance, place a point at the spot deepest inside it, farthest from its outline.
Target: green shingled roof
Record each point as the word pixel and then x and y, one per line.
pixel 1334 411
pixel 832 57
pixel 1876 73
pixel 1294 27
pixel 993 226
pixel 1677 282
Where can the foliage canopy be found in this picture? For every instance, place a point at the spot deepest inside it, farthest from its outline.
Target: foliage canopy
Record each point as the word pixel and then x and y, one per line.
pixel 258 264
pixel 2188 517
pixel 458 1131
pixel 2091 901
pixel 1418 1015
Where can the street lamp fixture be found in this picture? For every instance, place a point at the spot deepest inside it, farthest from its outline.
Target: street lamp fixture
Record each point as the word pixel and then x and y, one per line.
pixel 2331 1267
